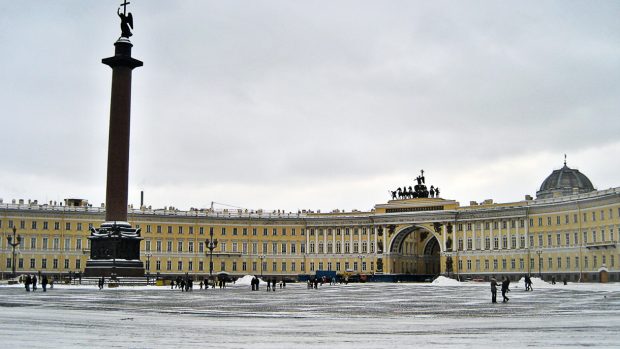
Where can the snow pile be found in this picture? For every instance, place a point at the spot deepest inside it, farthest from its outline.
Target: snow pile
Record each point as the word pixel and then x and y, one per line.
pixel 444 281
pixel 246 281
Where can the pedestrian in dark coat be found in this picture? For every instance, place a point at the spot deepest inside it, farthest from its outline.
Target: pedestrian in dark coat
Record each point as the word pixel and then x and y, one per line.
pixel 34 283
pixel 273 285
pixel 494 285
pixel 505 289
pixel 44 283
pixel 27 283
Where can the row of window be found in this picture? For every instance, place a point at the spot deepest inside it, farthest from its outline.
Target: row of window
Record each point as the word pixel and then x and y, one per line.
pixel 43 264
pixel 223 231
pixel 222 247
pixel 347 247
pixel 46 243
pixel 561 239
pixel 559 220
pixel 550 263
pixel 339 231
pixel 34 225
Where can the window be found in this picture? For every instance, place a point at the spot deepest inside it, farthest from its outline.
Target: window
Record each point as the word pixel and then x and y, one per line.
pixel 79 226
pixel 34 225
pixel 190 246
pixel 223 266
pixel 68 226
pixel 274 232
pixel 33 243
pixel 158 265
pixel 159 231
pixel 191 230
pixel 283 248
pixel 180 230
pixel 56 244
pixel 169 230
pixel 274 248
pixel 201 230
pixel 254 231
pixel 235 231
pixel 78 264
pixel 158 244
pixel 168 265
pixel 169 246
pixel 180 265
pixel 179 246
pixel 32 263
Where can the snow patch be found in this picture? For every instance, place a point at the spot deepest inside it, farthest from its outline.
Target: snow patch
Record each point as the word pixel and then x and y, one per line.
pixel 444 281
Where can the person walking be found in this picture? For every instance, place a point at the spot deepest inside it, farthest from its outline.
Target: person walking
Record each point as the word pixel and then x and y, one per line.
pixel 44 283
pixel 27 283
pixel 34 283
pixel 505 289
pixel 494 285
pixel 528 283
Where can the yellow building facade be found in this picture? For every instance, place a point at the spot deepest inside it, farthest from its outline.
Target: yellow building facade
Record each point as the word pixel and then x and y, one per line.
pixel 570 231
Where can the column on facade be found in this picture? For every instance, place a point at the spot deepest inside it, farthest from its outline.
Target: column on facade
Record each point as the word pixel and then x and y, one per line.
pixel 491 235
pixel 500 242
pixel 473 236
pixel 368 239
pixel 359 242
pixel 443 237
pixel 374 233
pixel 325 241
pixel 454 242
pixel 334 240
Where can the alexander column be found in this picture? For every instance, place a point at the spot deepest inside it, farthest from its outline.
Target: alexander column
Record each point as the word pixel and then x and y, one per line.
pixel 115 246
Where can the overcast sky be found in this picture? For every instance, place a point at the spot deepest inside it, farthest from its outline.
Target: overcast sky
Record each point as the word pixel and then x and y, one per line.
pixel 311 104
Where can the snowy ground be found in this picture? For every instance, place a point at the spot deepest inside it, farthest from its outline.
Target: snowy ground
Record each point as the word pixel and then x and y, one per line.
pixel 374 315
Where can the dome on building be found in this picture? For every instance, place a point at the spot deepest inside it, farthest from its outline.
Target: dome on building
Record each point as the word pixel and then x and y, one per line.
pixel 564 181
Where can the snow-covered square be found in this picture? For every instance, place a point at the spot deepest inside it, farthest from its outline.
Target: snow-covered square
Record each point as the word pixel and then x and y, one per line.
pixel 444 314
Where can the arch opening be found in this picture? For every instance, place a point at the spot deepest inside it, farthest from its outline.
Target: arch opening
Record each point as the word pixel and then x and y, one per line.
pixel 415 251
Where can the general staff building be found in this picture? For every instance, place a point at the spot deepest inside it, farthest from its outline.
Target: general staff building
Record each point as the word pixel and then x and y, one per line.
pixel 569 231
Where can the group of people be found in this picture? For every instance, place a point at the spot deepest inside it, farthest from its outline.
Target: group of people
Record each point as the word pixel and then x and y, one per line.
pixel 32 281
pixel 185 284
pixel 271 284
pixel 505 287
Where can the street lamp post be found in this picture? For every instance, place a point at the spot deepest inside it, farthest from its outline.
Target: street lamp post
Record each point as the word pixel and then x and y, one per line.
pixel 262 257
pixel 17 240
pixel 539 252
pixel 148 266
pixel 360 266
pixel 211 245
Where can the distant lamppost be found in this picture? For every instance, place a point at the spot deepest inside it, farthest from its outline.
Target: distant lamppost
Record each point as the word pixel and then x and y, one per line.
pixel 262 257
pixel 361 257
pixel 539 252
pixel 211 245
pixel 148 262
pixel 17 240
